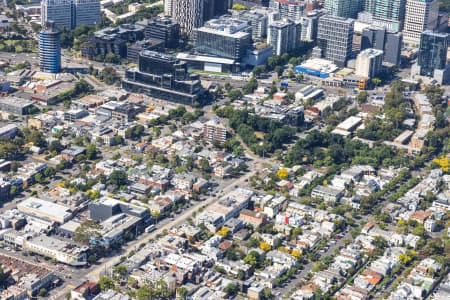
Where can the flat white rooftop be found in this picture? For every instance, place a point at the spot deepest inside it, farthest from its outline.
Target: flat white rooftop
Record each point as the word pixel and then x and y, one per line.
pixel 350 123
pixel 320 64
pixel 45 208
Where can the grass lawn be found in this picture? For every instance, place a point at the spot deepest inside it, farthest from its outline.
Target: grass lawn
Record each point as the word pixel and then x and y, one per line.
pixel 18 44
pixel 202 72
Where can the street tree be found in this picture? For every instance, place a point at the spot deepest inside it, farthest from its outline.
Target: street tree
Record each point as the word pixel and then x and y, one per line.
pixel 105 283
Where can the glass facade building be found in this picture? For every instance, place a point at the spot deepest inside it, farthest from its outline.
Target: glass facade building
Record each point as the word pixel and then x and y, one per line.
pixel 70 13
pixel 58 11
pixel 387 12
pixel 86 12
pixel 343 8
pixel 380 38
pixel 50 49
pixel 163 77
pixel 432 52
pixel 335 38
pixel 224 37
pixel 165 29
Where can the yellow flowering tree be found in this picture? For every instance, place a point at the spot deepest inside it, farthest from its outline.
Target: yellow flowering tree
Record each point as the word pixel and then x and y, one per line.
pixel 296 253
pixel 443 162
pixel 224 231
pixel 283 173
pixel 264 246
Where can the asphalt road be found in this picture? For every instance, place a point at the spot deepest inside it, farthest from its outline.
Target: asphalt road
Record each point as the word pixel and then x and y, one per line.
pixel 299 278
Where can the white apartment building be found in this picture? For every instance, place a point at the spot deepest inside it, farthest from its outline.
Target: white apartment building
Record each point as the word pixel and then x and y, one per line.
pixel 368 63
pixel 420 15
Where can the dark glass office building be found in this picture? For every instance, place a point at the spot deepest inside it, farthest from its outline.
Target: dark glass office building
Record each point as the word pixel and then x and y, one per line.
pixel 50 49
pixel 381 39
pixel 165 29
pixel 334 38
pixel 432 52
pixel 214 8
pixel 163 77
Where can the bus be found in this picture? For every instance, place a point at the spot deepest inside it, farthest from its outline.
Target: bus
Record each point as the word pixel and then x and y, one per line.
pixel 150 228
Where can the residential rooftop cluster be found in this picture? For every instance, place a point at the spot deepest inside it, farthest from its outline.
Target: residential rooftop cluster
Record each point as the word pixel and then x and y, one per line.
pixel 201 149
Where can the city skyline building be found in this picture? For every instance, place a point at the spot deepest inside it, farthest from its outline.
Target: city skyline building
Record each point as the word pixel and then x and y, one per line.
pixel 70 13
pixel 290 9
pixel 420 15
pixel 343 8
pixel 369 62
pixel 50 48
pixel 432 52
pixel 58 11
pixel 215 8
pixel 86 12
pixel 335 38
pixel 257 19
pixel 188 13
pixel 382 39
pixel 386 13
pixel 165 29
pixel 309 26
pixel 284 36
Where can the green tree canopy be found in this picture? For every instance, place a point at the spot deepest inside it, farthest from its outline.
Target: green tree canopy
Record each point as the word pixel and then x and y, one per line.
pixel 118 178
pixel 106 283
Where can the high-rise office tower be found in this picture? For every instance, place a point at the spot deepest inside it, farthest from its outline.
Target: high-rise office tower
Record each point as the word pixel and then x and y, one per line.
pixel 309 27
pixel 165 29
pixel 168 7
pixel 368 63
pixel 257 19
pixel 334 38
pixel 291 9
pixel 386 13
pixel 381 39
pixel 86 12
pixel 343 8
pixel 214 8
pixel 50 48
pixel 210 8
pixel 284 36
pixel 442 22
pixel 189 13
pixel 420 15
pixel 58 11
pixel 432 52
pixel 70 13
